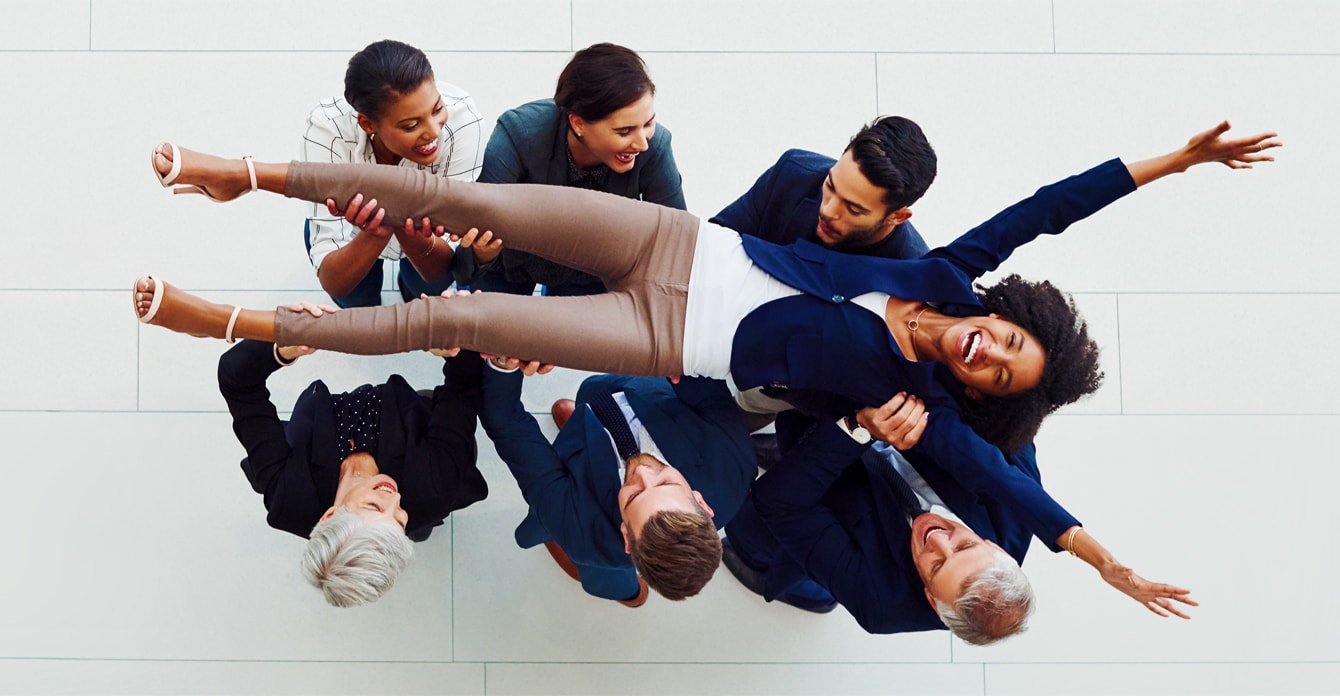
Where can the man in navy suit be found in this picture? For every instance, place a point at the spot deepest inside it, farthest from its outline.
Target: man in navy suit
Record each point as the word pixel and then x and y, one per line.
pixel 835 522
pixel 857 204
pixel 620 523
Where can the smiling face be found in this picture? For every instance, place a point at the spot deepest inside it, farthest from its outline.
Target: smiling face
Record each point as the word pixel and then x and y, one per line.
pixel 946 553
pixel 651 486
pixel 992 356
pixel 372 496
pixel 616 140
pixel 852 212
pixel 409 128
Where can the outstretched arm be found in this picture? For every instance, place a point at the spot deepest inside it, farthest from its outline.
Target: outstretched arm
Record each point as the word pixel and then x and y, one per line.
pixel 243 372
pixel 1055 207
pixel 1210 146
pixel 1155 596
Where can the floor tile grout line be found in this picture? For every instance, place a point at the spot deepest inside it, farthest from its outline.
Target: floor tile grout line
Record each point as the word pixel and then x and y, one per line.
pixel 1053 9
pixel 451 519
pixel 1121 364
pixel 1062 414
pixel 767 52
pixel 732 663
pixel 878 106
pixel 1174 293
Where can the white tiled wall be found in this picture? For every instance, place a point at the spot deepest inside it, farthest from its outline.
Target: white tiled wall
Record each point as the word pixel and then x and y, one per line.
pixel 138 560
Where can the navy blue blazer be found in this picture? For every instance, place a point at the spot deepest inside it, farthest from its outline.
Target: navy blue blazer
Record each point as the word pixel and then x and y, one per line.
pixel 783 206
pixel 572 486
pixel 835 516
pixel 811 342
pixel 295 465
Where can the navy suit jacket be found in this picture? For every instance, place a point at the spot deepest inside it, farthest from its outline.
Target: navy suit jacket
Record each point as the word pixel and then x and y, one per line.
pixel 783 206
pixel 429 451
pixel 819 343
pixel 835 516
pixel 572 486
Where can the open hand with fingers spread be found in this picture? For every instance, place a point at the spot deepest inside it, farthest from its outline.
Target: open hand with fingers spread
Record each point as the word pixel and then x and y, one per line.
pixel 1235 153
pixel 1157 597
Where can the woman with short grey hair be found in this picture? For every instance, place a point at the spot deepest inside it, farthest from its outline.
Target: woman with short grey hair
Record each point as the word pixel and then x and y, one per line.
pixel 360 474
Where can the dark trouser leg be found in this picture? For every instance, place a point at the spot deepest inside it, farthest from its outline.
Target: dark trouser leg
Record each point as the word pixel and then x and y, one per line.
pixel 368 292
pixel 609 583
pixel 492 280
pixel 411 284
pixel 756 546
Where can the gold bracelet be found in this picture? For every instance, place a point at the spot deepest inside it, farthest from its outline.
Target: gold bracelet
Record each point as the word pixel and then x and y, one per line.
pixel 1070 540
pixel 431 243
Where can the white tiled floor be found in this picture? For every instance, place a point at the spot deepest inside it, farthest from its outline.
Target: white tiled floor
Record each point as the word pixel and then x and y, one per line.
pixel 138 560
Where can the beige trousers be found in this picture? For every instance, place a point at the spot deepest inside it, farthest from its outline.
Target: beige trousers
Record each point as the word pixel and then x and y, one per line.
pixel 643 253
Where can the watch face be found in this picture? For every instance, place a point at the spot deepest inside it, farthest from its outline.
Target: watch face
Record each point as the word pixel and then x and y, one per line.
pixel 860 434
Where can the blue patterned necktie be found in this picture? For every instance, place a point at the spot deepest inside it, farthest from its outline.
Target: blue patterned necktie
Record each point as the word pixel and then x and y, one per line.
pixel 611 416
pixel 883 472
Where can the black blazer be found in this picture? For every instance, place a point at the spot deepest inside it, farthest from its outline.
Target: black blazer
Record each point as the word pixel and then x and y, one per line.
pixel 428 449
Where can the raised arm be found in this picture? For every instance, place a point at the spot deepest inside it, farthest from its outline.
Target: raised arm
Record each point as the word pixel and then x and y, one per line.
pixel 1055 207
pixel 1155 596
pixel 1204 148
pixel 980 467
pixel 451 431
pixel 790 500
pixel 546 484
pixel 502 165
pixel 243 372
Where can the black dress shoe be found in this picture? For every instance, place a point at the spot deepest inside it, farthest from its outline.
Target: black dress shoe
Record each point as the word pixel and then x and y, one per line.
pixel 765 449
pixel 752 579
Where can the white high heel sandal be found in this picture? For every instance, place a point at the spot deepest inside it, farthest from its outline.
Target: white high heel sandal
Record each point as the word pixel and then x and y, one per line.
pixel 167 180
pixel 157 301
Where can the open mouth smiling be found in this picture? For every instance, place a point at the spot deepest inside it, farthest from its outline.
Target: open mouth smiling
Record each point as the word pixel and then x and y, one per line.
pixel 968 344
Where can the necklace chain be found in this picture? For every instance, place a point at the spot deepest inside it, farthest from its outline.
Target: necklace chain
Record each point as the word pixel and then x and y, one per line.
pixel 913 325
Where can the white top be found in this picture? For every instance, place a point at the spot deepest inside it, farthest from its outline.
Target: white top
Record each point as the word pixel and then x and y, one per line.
pixel 333 135
pixel 874 302
pixel 724 287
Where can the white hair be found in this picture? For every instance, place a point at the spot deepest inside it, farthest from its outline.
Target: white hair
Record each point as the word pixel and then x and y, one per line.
pixel 353 561
pixel 993 604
